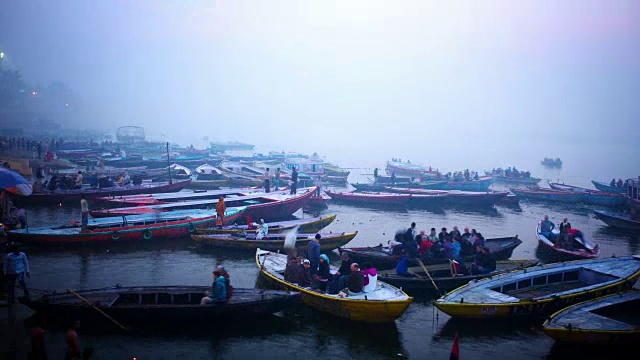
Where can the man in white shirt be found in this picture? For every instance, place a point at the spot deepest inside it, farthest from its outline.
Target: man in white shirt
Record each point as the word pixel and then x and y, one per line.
pixel 84 207
pixel 15 267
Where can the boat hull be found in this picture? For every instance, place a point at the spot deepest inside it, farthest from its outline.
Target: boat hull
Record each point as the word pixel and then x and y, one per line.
pixel 621 221
pixel 69 196
pixel 250 302
pixel 581 324
pixel 370 199
pixel 471 185
pixel 327 242
pixel 608 188
pixel 501 249
pixel 356 310
pixel 309 226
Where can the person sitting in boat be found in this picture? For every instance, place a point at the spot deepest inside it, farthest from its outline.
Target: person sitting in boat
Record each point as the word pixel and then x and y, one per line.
pixel 484 262
pixel 293 270
pixel 227 280
pixel 323 275
pixel 546 227
pixel 304 279
pixel 263 230
pixel 355 282
pixel 402 268
pixel 476 176
pixel 339 279
pixel 432 237
pixel 425 245
pixel 370 277
pixel 443 234
pixel 619 183
pixel 455 232
pixel 219 290
pixel 456 249
pixel 613 182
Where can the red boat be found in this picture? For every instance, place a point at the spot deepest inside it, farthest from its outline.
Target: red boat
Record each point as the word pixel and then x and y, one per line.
pixel 69 196
pixel 268 206
pixel 370 198
pixel 169 225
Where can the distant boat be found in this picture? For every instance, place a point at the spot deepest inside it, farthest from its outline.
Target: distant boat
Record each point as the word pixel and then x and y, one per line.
pixel 618 220
pixel 231 145
pixel 557 163
pixel 608 188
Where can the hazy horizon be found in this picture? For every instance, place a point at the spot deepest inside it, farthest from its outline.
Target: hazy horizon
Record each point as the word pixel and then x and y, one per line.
pixel 449 85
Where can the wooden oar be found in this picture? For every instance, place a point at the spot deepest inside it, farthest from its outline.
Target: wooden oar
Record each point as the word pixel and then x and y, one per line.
pixel 97 309
pixel 429 275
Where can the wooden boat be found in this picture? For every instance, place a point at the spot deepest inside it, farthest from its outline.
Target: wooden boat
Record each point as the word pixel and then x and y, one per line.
pixel 273 242
pixel 608 188
pixel 152 306
pixel 370 198
pixel 381 257
pixel 443 277
pixel 609 320
pixel 272 206
pixel 410 170
pixel 163 198
pixel 583 249
pixel 450 197
pixel 519 180
pixel 618 220
pixel 169 225
pixel 541 290
pixel 384 304
pixel 548 162
pixel 481 184
pixel 208 172
pixel 74 196
pixel 308 225
pixel 317 202
pixel 550 195
pixel 593 197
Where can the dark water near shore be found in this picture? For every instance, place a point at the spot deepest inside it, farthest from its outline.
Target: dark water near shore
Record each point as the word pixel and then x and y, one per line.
pixel 422 332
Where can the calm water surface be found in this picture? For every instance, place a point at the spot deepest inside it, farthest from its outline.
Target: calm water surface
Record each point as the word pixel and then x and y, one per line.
pixel 421 333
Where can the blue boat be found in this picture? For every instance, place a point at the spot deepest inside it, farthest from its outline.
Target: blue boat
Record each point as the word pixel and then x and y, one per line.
pixel 618 220
pixel 550 195
pixel 482 184
pixel 593 197
pixel 608 188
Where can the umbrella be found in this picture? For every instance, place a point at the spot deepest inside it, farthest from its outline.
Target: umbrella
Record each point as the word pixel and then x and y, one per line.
pixel 14 183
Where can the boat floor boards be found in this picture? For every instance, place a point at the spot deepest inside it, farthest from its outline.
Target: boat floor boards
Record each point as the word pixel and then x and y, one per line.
pixel 545 290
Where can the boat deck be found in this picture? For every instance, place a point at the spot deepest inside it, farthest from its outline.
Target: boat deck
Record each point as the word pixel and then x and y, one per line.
pixel 545 290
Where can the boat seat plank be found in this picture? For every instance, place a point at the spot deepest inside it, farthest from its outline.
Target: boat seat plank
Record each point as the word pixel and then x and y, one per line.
pixel 544 290
pixel 583 319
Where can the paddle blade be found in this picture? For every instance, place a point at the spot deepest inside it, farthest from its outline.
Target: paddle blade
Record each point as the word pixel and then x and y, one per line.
pixel 290 239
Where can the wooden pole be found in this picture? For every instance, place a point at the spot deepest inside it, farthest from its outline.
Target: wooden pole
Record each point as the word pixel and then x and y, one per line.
pixel 429 275
pixel 97 309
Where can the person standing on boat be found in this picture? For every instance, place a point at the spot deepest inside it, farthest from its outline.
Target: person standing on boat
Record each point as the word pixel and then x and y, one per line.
pixel 375 174
pixel 220 209
pixel 294 181
pixel 393 178
pixel 546 227
pixel 563 238
pixel 267 177
pixel 15 267
pixel 313 254
pixel 84 208
pixel 276 181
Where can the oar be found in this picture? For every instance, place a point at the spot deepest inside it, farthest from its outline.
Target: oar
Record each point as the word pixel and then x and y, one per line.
pixel 97 309
pixel 429 275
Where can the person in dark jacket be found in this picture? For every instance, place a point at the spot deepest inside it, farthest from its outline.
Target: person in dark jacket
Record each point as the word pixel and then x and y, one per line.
pixel 322 277
pixel 305 276
pixel 355 282
pixel 313 254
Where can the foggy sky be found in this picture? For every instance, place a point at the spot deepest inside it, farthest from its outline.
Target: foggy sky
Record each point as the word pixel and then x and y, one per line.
pixel 345 78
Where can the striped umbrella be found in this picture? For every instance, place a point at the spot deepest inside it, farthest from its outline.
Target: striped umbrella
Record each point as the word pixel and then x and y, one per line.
pixel 14 183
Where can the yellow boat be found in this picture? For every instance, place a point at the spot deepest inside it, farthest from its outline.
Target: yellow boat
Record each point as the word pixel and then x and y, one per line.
pixel 384 304
pixel 610 320
pixel 541 290
pixel 309 225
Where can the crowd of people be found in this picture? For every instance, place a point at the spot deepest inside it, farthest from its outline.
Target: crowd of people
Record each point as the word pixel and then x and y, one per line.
pixel 452 245
pixel 511 173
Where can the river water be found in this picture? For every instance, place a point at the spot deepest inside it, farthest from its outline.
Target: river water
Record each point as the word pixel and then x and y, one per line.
pixel 421 333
